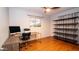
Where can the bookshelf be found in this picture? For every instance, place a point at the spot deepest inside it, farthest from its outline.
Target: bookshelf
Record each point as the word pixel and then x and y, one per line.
pixel 66 27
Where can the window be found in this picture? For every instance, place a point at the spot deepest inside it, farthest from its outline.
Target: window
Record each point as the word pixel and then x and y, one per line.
pixel 35 22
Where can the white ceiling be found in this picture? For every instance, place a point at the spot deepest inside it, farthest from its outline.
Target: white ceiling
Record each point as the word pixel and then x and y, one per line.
pixel 40 10
pixel 34 9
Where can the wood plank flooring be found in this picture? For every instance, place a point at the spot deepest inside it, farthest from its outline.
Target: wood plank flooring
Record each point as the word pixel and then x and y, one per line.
pixel 49 44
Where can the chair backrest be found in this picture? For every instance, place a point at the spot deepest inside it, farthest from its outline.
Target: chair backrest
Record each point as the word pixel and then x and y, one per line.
pixel 26 29
pixel 26 34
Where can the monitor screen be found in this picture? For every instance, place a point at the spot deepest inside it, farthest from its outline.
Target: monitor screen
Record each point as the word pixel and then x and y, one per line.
pixel 14 29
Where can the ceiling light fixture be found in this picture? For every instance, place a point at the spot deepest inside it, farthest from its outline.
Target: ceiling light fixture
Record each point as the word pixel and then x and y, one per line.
pixel 48 9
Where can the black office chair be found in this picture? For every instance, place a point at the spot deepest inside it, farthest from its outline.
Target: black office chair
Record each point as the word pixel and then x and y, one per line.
pixel 26 36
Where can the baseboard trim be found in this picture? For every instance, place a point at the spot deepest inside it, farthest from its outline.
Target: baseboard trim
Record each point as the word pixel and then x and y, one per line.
pixel 45 37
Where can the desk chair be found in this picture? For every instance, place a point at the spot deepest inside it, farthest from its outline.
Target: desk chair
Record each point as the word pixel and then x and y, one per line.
pixel 26 36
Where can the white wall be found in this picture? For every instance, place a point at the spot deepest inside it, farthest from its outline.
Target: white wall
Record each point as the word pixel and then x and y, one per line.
pixel 18 17
pixel 68 11
pixel 4 23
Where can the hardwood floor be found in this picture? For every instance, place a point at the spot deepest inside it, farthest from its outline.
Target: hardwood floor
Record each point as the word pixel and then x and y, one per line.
pixel 49 44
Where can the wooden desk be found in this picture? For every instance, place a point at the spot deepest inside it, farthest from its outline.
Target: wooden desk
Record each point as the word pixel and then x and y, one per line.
pixel 14 42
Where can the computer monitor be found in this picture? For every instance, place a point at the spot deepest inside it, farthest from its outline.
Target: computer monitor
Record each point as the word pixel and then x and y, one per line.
pixel 14 29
